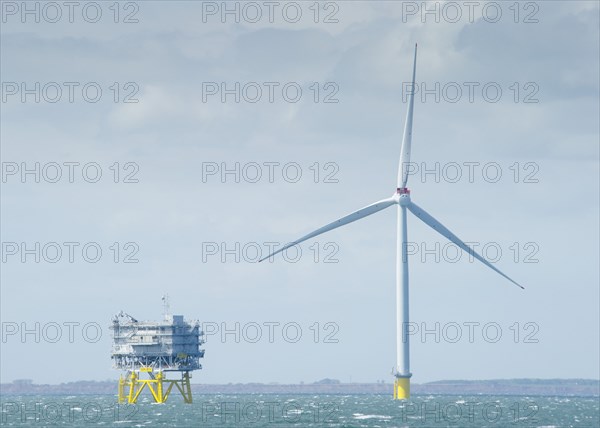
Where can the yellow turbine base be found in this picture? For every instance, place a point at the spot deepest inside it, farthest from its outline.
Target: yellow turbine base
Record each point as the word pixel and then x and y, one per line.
pixel 402 388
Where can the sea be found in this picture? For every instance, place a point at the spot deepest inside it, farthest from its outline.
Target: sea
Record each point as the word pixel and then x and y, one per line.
pixel 282 410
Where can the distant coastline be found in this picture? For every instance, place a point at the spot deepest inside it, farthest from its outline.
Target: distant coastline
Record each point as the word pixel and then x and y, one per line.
pixel 515 387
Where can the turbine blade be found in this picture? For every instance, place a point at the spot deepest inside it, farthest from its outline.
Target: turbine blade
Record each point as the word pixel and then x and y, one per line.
pixel 356 215
pixel 403 168
pixel 442 230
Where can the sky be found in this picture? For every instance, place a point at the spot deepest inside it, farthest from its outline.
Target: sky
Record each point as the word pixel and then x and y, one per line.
pixel 153 148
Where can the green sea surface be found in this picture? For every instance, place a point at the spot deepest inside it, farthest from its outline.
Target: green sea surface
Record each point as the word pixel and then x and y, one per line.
pixel 283 410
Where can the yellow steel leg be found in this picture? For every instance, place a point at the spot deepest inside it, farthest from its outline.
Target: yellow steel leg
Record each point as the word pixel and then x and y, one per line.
pixel 159 388
pixel 187 394
pixel 121 390
pixel 402 388
pixel 132 386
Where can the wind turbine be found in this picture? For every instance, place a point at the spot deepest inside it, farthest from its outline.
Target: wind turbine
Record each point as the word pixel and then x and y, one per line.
pixel 401 198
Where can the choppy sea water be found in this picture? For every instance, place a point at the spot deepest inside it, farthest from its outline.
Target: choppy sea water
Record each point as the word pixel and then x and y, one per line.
pixel 278 410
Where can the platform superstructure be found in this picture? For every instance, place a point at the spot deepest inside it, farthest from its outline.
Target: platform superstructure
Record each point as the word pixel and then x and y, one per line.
pixel 147 351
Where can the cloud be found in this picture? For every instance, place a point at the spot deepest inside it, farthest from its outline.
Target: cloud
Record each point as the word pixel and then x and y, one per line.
pixel 175 130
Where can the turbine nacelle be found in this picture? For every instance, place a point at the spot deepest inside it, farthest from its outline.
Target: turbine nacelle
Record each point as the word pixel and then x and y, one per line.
pixel 402 196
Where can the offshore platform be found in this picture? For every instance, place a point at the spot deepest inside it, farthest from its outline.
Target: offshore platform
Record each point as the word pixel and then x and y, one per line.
pixel 148 351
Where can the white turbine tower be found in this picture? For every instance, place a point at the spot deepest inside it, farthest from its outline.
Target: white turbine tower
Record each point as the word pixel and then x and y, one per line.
pixel 401 198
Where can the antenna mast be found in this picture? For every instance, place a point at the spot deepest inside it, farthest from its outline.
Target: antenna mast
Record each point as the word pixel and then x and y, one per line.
pixel 166 307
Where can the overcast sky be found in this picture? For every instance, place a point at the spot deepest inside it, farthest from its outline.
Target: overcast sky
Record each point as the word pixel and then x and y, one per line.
pixel 195 182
